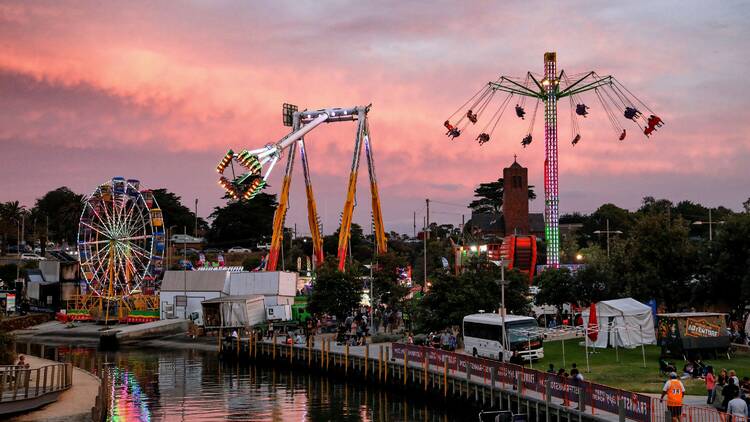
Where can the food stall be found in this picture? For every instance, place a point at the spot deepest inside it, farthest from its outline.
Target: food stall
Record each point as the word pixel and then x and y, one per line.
pixel 689 334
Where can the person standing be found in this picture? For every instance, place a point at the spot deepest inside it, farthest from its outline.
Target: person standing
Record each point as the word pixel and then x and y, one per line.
pixel 737 407
pixel 729 392
pixel 674 390
pixel 710 384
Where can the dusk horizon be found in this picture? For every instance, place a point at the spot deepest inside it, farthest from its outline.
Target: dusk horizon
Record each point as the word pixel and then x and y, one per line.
pixel 159 94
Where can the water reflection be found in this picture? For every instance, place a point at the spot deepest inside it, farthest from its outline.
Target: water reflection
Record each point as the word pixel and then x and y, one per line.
pixel 187 385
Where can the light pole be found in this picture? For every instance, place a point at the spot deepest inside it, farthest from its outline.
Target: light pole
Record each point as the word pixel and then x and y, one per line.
pixel 710 223
pixel 608 231
pixel 503 283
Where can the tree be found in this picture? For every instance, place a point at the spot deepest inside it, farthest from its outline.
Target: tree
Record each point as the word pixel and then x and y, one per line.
pixel 11 214
pixel 176 213
pixel 242 223
pixel 63 208
pixel 335 292
pixel 556 287
pixel 491 197
pixel 451 297
pixel 746 206
pixel 388 288
pixel 619 219
pixel 725 262
pixel 662 260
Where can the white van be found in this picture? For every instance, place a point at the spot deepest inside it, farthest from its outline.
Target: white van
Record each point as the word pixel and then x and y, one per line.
pixel 483 336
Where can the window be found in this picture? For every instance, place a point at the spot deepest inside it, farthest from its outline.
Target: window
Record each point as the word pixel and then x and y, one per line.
pixel 517 181
pixel 483 331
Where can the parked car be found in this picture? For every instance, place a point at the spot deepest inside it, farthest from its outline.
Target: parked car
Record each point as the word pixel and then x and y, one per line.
pixel 239 249
pixel 32 257
pixel 213 251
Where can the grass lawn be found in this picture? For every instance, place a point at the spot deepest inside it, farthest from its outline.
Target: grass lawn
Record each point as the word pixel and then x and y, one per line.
pixel 629 373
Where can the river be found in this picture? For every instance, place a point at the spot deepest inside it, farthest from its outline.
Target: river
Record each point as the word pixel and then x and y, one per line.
pixel 190 385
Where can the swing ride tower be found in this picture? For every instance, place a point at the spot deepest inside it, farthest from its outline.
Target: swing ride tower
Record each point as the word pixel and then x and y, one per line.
pixel 550 88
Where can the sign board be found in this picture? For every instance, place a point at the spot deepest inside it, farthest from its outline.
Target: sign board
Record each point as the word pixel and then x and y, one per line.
pixel 10 303
pixel 180 300
pixel 702 328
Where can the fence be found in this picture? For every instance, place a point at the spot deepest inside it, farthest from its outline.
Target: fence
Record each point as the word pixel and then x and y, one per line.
pixel 598 397
pixel 19 383
pixel 82 358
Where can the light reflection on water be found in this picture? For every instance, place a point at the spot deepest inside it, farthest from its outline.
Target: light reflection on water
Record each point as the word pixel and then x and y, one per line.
pixel 187 385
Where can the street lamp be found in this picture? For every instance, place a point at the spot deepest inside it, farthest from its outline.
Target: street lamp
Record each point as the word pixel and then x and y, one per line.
pixel 579 257
pixel 503 282
pixel 608 231
pixel 710 223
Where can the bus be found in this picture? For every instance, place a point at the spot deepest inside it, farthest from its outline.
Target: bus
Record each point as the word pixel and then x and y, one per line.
pixel 483 335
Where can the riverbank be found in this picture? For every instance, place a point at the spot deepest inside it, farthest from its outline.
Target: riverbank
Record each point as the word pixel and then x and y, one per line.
pixel 72 405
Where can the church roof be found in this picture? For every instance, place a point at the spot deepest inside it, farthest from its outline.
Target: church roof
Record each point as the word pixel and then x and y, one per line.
pixel 515 164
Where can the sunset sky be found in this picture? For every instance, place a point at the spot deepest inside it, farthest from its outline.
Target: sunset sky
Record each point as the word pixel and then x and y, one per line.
pixel 160 90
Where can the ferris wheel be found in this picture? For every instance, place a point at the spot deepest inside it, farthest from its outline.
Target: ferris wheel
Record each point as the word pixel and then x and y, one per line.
pixel 120 239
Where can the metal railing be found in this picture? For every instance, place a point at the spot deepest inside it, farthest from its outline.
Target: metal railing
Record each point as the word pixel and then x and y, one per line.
pixel 20 383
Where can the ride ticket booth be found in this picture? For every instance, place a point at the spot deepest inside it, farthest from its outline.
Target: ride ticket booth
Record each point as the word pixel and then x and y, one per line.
pixel 689 334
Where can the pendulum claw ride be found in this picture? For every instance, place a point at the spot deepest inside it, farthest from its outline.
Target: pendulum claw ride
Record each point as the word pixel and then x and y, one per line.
pixel 258 164
pixel 549 88
pixel 120 251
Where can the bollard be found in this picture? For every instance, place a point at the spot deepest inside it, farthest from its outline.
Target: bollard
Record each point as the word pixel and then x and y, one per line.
pixel 445 376
pixel 291 352
pixel 367 358
pixel 380 363
pixel 621 409
pixel 405 363
pixel 581 400
pixel 309 354
pixel 218 338
pixel 346 358
pixel 424 365
pixel 238 346
pixel 492 387
pixel 273 345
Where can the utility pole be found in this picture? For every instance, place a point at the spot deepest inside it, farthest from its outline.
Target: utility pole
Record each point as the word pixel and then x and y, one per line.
pixel 184 271
pixel 196 217
pixel 424 237
pixel 415 224
pixel 427 226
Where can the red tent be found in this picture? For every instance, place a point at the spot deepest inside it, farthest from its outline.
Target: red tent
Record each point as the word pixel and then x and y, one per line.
pixel 593 326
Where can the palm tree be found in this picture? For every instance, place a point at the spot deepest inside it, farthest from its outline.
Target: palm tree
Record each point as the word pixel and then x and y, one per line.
pixel 11 214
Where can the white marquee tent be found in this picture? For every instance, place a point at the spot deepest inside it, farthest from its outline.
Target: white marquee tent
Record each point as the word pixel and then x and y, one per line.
pixel 621 323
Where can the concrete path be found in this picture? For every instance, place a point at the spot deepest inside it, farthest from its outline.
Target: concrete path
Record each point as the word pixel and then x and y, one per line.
pixel 73 405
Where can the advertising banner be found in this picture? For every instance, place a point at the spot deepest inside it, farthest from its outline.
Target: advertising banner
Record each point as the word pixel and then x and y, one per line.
pixel 637 406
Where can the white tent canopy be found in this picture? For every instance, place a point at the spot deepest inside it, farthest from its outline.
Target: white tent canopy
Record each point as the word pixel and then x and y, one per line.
pixel 621 323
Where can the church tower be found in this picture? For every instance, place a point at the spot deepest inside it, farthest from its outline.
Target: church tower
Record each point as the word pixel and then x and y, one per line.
pixel 516 199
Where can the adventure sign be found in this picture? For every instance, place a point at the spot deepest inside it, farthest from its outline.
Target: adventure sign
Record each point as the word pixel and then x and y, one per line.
pixel 701 328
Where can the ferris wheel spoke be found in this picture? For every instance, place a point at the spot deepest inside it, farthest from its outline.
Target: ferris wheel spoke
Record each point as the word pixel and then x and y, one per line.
pixel 144 237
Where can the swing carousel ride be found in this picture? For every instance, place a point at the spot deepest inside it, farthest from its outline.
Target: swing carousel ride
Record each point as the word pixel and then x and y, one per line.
pixel 549 89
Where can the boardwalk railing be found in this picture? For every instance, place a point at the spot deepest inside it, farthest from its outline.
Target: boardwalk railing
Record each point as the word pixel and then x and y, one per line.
pixel 19 383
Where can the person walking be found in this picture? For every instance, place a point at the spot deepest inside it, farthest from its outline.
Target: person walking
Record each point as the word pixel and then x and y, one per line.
pixel 710 384
pixel 674 390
